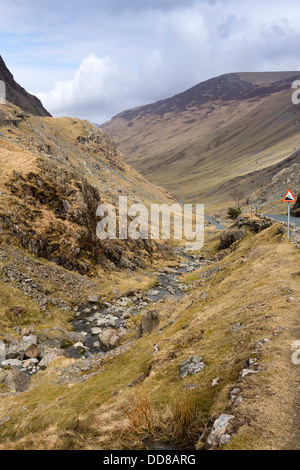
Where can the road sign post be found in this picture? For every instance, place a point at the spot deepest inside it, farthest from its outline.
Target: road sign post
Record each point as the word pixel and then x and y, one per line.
pixel 289 219
pixel 289 197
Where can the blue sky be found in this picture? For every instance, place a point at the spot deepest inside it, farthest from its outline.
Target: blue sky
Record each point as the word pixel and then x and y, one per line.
pixel 95 58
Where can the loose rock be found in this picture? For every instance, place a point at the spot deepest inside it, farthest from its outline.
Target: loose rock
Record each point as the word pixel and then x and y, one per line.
pixel 109 339
pixel 191 366
pixel 218 435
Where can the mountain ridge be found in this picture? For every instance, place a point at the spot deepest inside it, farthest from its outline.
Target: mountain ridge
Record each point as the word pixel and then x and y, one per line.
pixel 230 89
pixel 18 96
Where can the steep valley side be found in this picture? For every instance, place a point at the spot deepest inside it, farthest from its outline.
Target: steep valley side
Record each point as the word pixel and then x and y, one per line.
pixel 214 135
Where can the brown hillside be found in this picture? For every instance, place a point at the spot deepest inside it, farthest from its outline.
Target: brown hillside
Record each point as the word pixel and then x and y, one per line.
pixel 212 135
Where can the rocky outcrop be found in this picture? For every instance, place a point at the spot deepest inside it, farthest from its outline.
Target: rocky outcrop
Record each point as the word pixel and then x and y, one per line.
pixel 70 241
pixel 254 225
pixel 267 200
pixel 239 229
pixel 220 433
pixel 229 237
pixel 295 211
pixel 17 95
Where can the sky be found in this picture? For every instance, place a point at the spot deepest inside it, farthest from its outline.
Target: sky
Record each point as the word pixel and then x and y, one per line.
pixel 95 58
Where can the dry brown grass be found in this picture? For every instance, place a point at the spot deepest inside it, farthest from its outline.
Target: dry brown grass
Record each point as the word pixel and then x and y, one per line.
pixel 179 422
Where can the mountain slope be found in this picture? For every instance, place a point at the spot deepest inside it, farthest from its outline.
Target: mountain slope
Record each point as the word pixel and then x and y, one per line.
pixel 15 94
pixel 54 175
pixel 212 134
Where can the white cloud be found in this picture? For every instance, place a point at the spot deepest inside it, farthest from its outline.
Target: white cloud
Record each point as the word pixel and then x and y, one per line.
pixel 95 89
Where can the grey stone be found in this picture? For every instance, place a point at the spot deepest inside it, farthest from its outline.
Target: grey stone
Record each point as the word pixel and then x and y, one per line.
pixel 4 420
pixel 29 363
pixel 148 324
pixel 235 393
pixel 51 355
pixel 14 381
pixel 75 337
pixel 193 365
pixel 80 347
pixel 108 322
pixel 261 343
pixel 29 330
pixel 237 402
pixel 94 299
pixel 228 237
pixel 28 340
pixel 12 363
pixel 215 382
pixel 96 331
pixel 109 339
pixel 219 435
pixel 246 372
pixel 237 327
pixel 16 351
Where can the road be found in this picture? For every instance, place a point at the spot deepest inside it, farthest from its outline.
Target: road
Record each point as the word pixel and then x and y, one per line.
pixel 284 218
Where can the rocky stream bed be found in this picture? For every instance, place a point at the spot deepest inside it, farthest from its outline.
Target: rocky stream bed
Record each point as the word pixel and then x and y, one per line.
pixel 97 329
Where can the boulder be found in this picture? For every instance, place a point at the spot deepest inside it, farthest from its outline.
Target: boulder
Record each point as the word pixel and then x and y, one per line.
pixel 229 237
pixel 109 339
pixel 29 340
pixel 55 339
pixel 14 381
pixel 219 435
pixel 107 322
pixel 80 347
pixel 29 330
pixel 11 364
pixel 254 225
pixel 49 356
pixel 33 352
pixel 75 337
pixel 148 323
pixel 94 299
pixel 96 331
pixel 15 350
pixel 191 366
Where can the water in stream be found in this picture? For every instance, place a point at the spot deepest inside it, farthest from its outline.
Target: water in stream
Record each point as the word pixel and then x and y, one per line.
pixel 91 319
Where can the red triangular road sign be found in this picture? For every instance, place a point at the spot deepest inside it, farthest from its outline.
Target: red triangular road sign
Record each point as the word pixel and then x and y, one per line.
pixel 289 197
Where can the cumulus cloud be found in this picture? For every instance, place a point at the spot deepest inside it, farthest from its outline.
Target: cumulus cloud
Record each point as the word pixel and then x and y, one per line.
pixel 96 89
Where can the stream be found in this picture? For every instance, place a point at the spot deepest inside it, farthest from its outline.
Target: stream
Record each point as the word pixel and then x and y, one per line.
pixel 91 318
